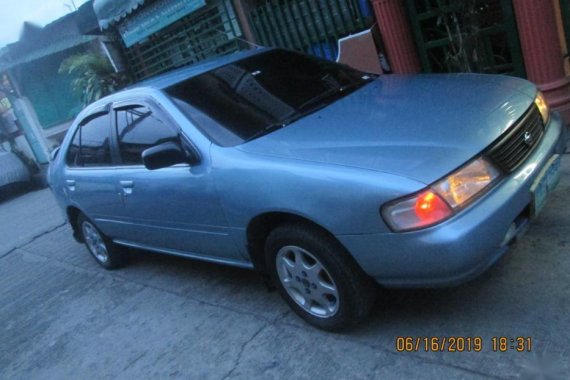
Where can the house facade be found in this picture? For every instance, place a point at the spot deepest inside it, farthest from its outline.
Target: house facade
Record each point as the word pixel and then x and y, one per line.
pixel 155 36
pixel 525 38
pixel 158 35
pixel 533 44
pixel 38 101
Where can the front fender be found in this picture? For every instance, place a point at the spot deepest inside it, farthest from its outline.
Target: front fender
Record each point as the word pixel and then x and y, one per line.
pixel 343 200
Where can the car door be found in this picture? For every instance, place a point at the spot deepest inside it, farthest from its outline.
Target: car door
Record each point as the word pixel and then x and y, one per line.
pixel 89 172
pixel 176 208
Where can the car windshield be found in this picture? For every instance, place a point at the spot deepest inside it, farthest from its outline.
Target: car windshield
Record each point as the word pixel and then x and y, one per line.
pixel 254 96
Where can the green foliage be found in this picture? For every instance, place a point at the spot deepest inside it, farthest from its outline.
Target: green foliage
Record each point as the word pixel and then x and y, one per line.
pixel 94 76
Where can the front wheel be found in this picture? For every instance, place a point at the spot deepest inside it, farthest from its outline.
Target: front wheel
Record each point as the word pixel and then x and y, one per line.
pixel 103 250
pixel 317 277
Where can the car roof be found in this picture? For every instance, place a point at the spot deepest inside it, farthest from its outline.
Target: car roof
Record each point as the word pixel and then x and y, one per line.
pixel 171 78
pixel 163 81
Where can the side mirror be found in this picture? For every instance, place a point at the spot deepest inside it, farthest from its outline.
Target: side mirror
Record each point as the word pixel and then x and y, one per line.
pixel 164 155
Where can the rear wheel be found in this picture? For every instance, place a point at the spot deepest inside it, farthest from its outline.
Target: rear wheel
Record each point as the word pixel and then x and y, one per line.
pixel 317 277
pixel 103 250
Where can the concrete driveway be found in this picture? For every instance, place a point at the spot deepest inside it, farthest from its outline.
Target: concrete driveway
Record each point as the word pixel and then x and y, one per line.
pixel 61 316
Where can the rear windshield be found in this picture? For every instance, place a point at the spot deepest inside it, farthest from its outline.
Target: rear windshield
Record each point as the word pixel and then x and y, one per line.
pixel 254 96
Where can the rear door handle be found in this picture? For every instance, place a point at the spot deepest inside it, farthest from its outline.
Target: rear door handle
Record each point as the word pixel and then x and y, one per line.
pixel 127 187
pixel 127 183
pixel 70 184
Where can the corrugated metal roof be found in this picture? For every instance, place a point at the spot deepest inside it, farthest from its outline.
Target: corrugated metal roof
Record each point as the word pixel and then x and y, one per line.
pixel 53 48
pixel 86 19
pixel 36 42
pixel 4 56
pixel 111 11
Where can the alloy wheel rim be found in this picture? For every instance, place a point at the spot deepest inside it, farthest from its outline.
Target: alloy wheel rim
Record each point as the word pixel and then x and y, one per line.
pixel 307 281
pixel 95 242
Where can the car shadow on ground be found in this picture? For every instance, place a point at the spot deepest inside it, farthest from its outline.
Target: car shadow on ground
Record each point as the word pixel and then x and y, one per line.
pixel 14 190
pixel 430 300
pixel 394 308
pixel 175 264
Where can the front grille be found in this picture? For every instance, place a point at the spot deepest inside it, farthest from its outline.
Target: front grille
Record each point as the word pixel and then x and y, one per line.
pixel 511 149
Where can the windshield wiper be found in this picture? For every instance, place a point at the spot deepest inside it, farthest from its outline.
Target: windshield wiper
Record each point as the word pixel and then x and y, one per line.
pixel 291 119
pixel 270 128
pixel 275 126
pixel 302 111
pixel 330 93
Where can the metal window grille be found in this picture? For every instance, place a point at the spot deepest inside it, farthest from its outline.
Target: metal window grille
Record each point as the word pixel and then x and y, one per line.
pixel 466 35
pixel 209 32
pixel 308 25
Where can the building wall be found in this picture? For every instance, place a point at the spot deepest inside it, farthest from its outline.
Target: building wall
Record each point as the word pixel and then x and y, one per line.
pixel 50 92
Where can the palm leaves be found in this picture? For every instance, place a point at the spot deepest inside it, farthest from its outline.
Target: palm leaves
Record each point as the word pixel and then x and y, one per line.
pixel 94 76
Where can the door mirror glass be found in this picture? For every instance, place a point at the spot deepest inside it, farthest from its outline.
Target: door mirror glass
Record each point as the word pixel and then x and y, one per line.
pixel 164 155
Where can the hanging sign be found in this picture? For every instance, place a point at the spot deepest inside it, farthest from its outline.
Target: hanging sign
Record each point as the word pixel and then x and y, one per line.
pixel 158 15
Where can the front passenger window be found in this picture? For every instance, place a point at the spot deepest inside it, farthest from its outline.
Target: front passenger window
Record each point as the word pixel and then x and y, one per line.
pixel 138 129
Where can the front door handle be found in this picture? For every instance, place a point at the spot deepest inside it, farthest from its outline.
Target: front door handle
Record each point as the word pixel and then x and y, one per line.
pixel 70 184
pixel 127 187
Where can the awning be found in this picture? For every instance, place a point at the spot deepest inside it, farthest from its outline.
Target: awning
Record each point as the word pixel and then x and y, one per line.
pixel 111 11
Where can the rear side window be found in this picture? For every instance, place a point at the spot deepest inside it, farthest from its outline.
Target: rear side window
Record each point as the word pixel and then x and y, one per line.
pixel 138 129
pixel 91 144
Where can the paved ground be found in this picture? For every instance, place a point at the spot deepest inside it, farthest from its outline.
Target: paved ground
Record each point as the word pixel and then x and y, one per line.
pixel 25 217
pixel 62 316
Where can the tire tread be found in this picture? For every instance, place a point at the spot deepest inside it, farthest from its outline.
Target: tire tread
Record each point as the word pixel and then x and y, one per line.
pixel 355 282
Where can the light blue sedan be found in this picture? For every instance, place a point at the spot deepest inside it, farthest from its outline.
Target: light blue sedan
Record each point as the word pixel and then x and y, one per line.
pixel 324 179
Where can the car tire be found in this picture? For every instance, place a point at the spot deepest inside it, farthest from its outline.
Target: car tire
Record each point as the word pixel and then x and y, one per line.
pixel 318 278
pixel 104 251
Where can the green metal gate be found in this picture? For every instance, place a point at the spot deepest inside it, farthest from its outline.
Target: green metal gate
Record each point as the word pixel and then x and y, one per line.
pixel 565 10
pixel 466 36
pixel 213 30
pixel 308 25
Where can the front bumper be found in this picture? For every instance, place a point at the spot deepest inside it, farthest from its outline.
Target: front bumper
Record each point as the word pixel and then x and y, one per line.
pixel 464 246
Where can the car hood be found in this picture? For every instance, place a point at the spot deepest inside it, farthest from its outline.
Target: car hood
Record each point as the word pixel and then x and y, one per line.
pixel 421 127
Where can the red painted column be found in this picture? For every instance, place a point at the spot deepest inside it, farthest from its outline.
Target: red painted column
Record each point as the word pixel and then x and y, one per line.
pixel 540 43
pixel 397 36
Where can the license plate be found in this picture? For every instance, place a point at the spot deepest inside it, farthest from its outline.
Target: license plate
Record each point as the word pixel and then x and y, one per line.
pixel 546 181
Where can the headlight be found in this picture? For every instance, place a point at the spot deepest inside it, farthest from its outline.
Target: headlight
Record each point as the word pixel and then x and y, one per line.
pixel 463 185
pixel 443 199
pixel 542 105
